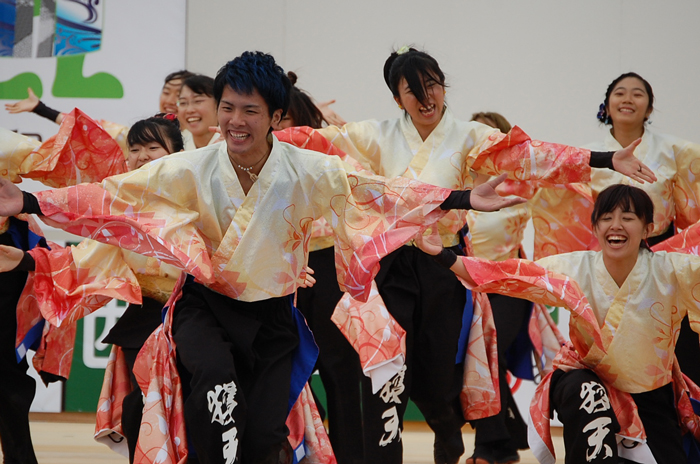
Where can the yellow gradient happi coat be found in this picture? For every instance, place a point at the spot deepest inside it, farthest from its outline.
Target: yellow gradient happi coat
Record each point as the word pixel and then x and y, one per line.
pixel 676 163
pixel 562 216
pixel 453 152
pixel 189 210
pixel 639 321
pixel 626 335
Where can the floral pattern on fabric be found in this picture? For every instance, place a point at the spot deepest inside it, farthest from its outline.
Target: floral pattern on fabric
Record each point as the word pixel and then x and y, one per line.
pixel 375 335
pixel 81 151
pixel 108 419
pixel 162 436
pixel 371 217
pixel 590 344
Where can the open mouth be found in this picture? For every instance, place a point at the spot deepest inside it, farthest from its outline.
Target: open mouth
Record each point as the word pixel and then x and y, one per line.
pixel 193 120
pixel 238 135
pixel 427 111
pixel 616 241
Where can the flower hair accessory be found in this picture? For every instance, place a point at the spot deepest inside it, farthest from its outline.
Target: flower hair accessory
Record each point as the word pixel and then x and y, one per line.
pixel 602 114
pixel 403 50
pixel 170 117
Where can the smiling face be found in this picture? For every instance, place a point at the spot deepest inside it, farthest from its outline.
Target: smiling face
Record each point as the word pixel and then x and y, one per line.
pixel 425 116
pixel 169 95
pixel 628 103
pixel 196 111
pixel 143 154
pixel 620 233
pixel 245 122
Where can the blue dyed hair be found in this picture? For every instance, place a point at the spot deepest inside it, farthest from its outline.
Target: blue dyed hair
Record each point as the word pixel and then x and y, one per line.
pixel 255 71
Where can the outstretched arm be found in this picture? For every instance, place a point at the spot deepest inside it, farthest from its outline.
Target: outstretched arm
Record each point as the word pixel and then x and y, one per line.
pixel 34 105
pixel 549 164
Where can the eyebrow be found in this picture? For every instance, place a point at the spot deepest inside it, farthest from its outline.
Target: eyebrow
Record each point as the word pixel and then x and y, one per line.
pixel 231 104
pixel 633 88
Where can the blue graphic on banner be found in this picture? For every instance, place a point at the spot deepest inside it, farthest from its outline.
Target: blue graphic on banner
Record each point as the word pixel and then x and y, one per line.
pixel 78 27
pixel 7 27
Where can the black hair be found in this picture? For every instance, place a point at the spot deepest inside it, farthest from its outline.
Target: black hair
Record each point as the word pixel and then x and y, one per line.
pixel 255 71
pixel 162 129
pixel 414 66
pixel 200 84
pixel 182 74
pixel 603 115
pixel 629 199
pixel 302 110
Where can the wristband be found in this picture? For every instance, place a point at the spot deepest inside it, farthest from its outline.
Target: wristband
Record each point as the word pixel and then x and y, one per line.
pixel 602 159
pixel 30 204
pixel 446 258
pixel 27 264
pixel 46 112
pixel 458 199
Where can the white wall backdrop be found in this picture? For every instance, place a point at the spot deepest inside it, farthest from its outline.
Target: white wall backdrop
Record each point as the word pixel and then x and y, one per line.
pixel 544 64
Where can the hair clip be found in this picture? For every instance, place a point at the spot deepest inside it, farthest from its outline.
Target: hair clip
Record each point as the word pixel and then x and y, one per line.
pixel 403 50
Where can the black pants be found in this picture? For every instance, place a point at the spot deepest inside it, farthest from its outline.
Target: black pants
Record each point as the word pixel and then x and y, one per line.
pixel 338 363
pixel 428 301
pixel 590 424
pixel 130 333
pixel 235 359
pixel 505 432
pixel 17 388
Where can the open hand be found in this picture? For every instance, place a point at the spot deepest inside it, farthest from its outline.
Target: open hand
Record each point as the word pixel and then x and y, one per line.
pixel 331 117
pixel 10 257
pixel 11 199
pixel 485 198
pixel 626 163
pixel 23 106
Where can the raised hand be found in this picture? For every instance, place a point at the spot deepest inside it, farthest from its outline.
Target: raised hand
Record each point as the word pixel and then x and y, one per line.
pixel 485 198
pixel 10 257
pixel 11 199
pixel 626 163
pixel 23 106
pixel 331 117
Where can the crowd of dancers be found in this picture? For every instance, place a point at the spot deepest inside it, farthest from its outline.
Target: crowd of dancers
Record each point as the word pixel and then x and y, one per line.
pixel 258 237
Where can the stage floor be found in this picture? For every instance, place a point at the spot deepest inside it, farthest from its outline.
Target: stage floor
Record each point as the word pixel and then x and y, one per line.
pixel 67 439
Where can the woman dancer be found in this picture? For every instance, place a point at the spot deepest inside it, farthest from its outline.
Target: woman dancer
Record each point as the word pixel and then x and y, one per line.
pixel 622 352
pixel 52 163
pixel 196 110
pixel 149 139
pixel 627 107
pixel 429 144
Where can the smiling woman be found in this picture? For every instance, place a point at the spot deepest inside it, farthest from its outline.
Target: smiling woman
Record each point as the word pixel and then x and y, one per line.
pixel 628 105
pixel 196 110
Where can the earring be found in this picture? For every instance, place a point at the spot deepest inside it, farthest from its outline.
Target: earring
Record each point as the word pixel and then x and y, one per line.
pixel 400 106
